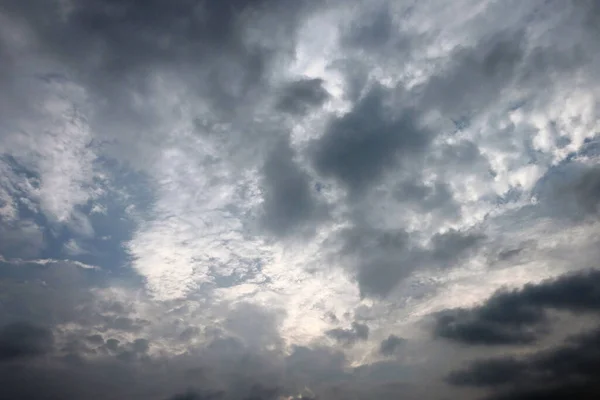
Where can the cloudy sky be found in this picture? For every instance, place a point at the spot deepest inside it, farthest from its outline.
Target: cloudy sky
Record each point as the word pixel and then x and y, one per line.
pixel 299 199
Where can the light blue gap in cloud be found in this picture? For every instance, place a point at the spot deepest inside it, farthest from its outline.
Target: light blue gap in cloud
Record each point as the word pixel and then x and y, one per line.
pixel 126 193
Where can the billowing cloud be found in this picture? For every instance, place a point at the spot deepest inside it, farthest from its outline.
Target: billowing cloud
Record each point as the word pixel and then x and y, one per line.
pixel 567 370
pixel 512 317
pixel 360 146
pixel 260 199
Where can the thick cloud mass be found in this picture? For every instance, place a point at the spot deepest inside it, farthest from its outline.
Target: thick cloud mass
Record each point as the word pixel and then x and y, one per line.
pixel 299 199
pixel 510 317
pixel 289 200
pixel 360 146
pixel 567 371
pixel 22 340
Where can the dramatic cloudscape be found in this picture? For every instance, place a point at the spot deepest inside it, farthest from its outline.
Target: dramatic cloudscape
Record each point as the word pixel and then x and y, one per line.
pixel 299 199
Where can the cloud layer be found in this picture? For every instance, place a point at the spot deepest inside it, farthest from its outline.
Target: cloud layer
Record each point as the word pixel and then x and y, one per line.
pixel 260 199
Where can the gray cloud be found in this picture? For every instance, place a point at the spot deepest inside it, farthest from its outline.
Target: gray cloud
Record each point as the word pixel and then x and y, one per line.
pixel 300 96
pixel 21 239
pixel 427 198
pixel 563 372
pixel 381 259
pixel 434 128
pixel 290 202
pixel 349 336
pixel 452 245
pixel 475 75
pixel 193 395
pixel 360 146
pixel 95 339
pixel 587 190
pixel 389 345
pixel 519 316
pixel 116 51
pixel 372 30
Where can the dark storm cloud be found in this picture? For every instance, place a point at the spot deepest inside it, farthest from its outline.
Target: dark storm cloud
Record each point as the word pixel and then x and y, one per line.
pixel 360 146
pixel 24 340
pixel 482 373
pixel 349 336
pixel 256 326
pixel 389 345
pixel 112 344
pixel 289 199
pixel 460 326
pixel 520 316
pixel 189 333
pixel 202 373
pixel 300 96
pixel 567 371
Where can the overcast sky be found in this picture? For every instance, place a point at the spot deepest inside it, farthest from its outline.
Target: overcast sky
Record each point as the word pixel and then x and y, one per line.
pixel 299 199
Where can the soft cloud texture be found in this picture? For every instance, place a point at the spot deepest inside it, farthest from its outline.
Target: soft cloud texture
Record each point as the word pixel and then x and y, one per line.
pixel 260 199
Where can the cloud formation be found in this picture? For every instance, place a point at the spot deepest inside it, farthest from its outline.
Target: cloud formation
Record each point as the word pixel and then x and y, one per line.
pixel 260 199
pixel 511 317
pixel 565 371
pixel 23 340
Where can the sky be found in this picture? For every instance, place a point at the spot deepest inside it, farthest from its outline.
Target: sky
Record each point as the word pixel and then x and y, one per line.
pixel 299 199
